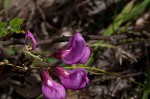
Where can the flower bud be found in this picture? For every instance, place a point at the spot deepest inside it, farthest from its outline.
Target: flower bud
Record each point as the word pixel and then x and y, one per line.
pixel 29 35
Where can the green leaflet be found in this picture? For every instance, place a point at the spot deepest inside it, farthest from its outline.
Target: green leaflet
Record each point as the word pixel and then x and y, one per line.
pixel 15 25
pixel 2 28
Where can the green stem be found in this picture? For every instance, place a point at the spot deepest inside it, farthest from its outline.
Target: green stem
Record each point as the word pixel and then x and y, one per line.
pixel 7 63
pixel 34 56
pixel 106 72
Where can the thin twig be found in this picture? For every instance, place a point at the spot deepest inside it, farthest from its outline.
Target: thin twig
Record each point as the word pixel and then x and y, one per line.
pixel 87 37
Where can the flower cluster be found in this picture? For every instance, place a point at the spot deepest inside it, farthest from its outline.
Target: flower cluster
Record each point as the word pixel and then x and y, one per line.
pixel 77 52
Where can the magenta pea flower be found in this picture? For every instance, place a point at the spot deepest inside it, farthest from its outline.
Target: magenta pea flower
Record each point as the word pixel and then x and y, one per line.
pixel 50 88
pixel 72 79
pixel 29 35
pixel 77 51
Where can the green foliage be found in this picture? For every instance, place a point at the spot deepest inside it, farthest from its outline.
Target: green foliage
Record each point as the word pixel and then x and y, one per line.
pixel 101 44
pixel 15 25
pixel 129 12
pixel 147 86
pixel 39 97
pixel 2 24
pixel 11 50
pixel 2 28
pixel 119 19
pixel 51 60
pixel 138 9
pixel 6 5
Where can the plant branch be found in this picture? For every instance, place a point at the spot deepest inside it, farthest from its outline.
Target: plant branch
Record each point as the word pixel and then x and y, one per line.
pixel 86 37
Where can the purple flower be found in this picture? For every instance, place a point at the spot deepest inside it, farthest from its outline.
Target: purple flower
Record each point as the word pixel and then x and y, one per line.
pixel 50 88
pixel 74 79
pixel 29 35
pixel 77 51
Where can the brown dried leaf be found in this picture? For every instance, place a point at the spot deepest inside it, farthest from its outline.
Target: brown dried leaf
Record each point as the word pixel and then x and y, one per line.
pixel 122 54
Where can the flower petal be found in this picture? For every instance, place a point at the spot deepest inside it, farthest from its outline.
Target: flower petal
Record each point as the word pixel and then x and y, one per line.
pixel 31 36
pixel 86 56
pixel 50 88
pixel 77 79
pixel 73 79
pixel 76 51
pixel 71 41
pixel 53 92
